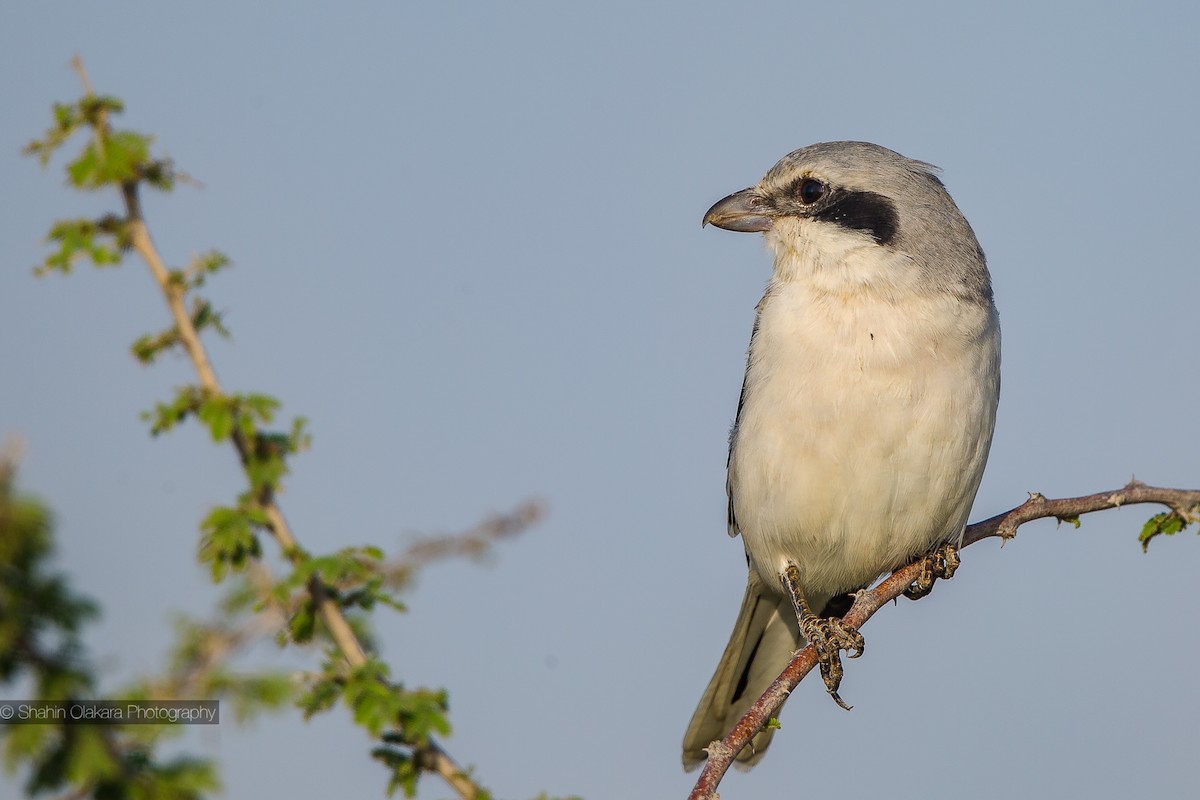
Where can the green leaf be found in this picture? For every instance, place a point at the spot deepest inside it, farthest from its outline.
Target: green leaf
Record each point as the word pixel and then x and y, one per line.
pixel 217 414
pixel 324 693
pixel 408 716
pixel 148 347
pixel 111 159
pixel 204 265
pixel 159 173
pixel 166 416
pixel 404 771
pixel 228 540
pixel 261 406
pixel 94 108
pixel 82 171
pixel 303 623
pixel 423 713
pixel 252 694
pixel 264 472
pixel 1168 523
pixel 66 117
pixel 203 316
pixel 102 241
pixel 66 120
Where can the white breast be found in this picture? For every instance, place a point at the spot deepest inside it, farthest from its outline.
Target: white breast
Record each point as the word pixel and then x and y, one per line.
pixel 865 425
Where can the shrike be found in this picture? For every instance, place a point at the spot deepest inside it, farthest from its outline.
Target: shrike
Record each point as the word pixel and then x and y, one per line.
pixel 868 404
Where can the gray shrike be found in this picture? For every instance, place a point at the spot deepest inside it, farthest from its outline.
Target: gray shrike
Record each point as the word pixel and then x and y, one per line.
pixel 868 404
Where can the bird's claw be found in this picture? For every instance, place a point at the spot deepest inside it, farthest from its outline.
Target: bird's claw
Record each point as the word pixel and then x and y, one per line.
pixel 940 563
pixel 829 637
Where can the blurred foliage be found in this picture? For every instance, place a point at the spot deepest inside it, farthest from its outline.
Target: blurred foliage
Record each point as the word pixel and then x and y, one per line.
pixel 40 623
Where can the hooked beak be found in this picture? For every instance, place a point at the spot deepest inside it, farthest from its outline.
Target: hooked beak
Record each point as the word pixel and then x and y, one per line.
pixel 741 211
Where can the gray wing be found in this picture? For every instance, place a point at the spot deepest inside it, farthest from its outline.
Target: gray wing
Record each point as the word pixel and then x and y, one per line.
pixel 737 421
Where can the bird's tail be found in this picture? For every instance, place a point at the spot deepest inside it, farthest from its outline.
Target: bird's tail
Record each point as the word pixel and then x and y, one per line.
pixel 764 638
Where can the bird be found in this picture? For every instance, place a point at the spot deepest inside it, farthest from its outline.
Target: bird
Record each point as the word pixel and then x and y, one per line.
pixel 867 409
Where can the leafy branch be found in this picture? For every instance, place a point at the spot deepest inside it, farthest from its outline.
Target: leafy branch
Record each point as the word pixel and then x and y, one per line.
pixel 1183 509
pixel 322 597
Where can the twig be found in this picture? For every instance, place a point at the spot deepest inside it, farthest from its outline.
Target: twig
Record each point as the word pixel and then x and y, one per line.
pixel 721 754
pixel 474 543
pixel 1183 502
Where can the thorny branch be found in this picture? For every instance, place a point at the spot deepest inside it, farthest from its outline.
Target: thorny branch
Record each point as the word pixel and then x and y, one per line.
pixel 1183 502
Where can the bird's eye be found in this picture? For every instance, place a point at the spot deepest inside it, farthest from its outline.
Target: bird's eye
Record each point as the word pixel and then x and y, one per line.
pixel 810 191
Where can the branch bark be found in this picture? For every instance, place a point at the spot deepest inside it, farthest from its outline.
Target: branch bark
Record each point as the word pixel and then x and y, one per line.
pixel 1184 502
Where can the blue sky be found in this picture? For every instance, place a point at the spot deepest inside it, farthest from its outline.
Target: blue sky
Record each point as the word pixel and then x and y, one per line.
pixel 467 247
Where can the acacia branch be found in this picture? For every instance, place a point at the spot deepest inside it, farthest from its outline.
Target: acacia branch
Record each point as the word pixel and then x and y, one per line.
pixel 430 755
pixel 1183 502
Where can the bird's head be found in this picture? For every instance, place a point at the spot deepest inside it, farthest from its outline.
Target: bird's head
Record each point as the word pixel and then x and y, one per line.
pixel 856 213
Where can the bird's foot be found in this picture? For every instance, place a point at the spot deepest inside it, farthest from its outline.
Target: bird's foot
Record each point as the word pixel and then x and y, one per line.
pixel 829 636
pixel 941 563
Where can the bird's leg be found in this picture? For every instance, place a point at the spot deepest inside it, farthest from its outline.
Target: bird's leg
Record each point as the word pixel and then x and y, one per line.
pixel 940 563
pixel 828 636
